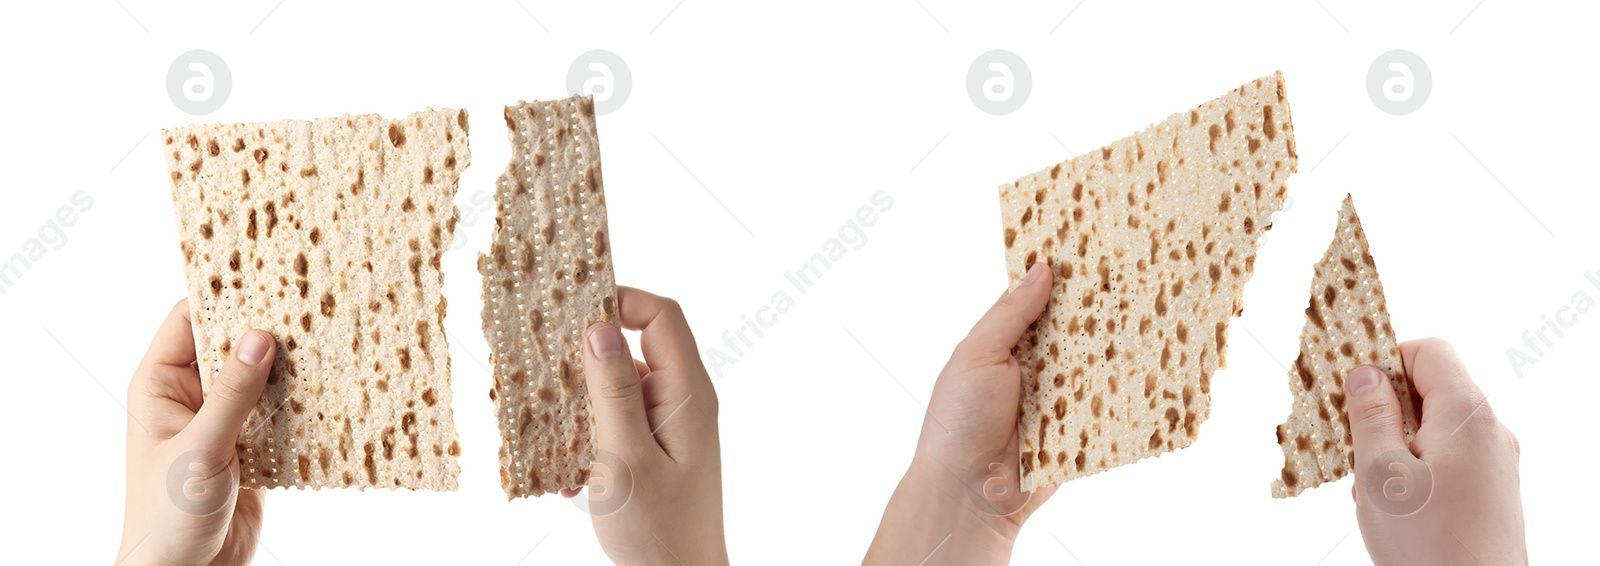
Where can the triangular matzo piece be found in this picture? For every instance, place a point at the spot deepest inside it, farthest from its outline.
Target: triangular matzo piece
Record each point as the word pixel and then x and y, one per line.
pixel 1347 325
pixel 1152 239
pixel 328 234
pixel 546 279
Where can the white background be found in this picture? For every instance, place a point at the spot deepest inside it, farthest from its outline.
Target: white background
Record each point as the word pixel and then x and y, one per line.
pixel 793 115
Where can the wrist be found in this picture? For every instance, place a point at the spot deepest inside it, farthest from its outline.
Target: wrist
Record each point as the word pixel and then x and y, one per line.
pixel 951 491
pixel 712 550
pixel 931 518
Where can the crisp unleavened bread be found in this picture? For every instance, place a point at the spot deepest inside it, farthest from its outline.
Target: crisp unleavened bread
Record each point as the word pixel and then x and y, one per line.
pixel 328 233
pixel 546 279
pixel 1151 240
pixel 1347 325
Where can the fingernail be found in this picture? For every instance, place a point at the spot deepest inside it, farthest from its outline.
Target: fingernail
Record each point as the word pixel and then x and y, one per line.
pixel 253 346
pixel 1363 379
pixel 1033 273
pixel 606 342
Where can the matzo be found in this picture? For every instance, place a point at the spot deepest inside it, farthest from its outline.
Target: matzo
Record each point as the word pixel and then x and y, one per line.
pixel 328 233
pixel 1151 239
pixel 546 279
pixel 1347 325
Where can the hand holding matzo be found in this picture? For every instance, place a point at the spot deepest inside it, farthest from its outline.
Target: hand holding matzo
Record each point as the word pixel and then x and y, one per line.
pixel 1452 495
pixel 964 479
pixel 184 505
pixel 655 492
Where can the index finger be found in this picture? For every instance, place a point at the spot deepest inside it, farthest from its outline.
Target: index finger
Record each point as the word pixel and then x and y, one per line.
pixel 1440 377
pixel 997 332
pixel 665 337
pixel 173 344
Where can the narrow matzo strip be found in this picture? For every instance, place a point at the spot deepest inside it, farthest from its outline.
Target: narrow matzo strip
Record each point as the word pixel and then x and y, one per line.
pixel 1151 239
pixel 546 279
pixel 328 233
pixel 1347 325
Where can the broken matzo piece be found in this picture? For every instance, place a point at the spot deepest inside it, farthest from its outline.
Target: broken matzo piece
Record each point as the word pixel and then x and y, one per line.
pixel 546 279
pixel 328 233
pixel 1347 325
pixel 1151 240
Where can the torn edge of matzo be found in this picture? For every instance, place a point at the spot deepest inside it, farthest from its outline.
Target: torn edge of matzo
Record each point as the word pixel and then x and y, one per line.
pixel 1347 325
pixel 547 278
pixel 1151 239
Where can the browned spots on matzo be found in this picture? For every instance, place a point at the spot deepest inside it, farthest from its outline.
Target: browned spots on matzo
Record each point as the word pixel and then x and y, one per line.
pixel 1268 125
pixel 551 224
pixel 591 178
pixel 1339 336
pixel 498 252
pixel 548 233
pixel 1131 230
pixel 1314 315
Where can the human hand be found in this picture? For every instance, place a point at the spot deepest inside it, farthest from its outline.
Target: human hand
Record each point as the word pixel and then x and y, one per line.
pixel 961 500
pixel 1453 496
pixel 655 493
pixel 184 505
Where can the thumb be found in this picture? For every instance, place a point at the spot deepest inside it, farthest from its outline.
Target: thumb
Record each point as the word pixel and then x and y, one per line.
pixel 1374 414
pixel 999 330
pixel 616 396
pixel 236 390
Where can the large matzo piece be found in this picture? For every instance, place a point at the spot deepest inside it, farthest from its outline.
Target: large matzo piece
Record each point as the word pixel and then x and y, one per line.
pixel 1347 325
pixel 327 233
pixel 546 279
pixel 1151 239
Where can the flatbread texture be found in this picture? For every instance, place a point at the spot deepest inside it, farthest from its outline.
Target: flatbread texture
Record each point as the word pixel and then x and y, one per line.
pixel 1347 325
pixel 328 233
pixel 546 279
pixel 1151 240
